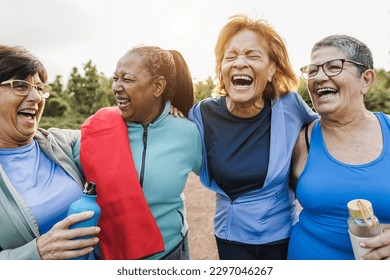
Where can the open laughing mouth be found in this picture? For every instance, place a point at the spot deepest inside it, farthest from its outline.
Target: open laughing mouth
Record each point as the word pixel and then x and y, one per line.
pixel 242 81
pixel 122 102
pixel 28 114
pixel 324 93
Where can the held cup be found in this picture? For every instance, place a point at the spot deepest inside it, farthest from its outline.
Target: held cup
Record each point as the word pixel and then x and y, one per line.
pixel 357 250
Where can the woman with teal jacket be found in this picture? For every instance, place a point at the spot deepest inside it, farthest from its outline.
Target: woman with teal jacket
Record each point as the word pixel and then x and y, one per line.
pixel 139 156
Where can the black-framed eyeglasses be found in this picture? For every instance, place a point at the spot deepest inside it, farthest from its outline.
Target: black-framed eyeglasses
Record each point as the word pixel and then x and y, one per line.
pixel 23 88
pixel 331 68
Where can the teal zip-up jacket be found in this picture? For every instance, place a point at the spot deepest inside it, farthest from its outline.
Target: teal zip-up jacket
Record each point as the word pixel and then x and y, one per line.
pixel 164 153
pixel 267 214
pixel 18 228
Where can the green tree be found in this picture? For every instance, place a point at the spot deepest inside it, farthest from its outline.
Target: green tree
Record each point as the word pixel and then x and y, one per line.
pixel 56 106
pixel 304 92
pixel 204 89
pixel 378 96
pixel 89 92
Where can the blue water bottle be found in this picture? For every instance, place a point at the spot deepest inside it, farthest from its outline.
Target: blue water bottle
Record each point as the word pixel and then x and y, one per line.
pixel 87 202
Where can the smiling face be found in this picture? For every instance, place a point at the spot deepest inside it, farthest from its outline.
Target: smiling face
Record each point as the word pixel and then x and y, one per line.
pixel 138 95
pixel 20 115
pixel 341 94
pixel 246 67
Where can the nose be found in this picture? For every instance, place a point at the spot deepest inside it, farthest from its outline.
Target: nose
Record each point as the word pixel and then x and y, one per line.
pixel 117 86
pixel 321 75
pixel 241 61
pixel 34 95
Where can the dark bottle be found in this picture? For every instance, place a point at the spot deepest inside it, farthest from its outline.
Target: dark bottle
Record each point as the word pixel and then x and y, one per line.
pixel 87 202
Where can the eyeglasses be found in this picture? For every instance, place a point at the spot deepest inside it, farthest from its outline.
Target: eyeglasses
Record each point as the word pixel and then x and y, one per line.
pixel 331 68
pixel 23 88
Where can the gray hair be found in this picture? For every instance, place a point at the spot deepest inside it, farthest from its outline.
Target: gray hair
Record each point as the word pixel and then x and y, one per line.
pixel 352 48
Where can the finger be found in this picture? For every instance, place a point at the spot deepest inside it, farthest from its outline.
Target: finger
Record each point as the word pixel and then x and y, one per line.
pixel 57 248
pixel 77 244
pixel 385 226
pixel 72 219
pixel 68 254
pixel 72 254
pixel 381 253
pixel 84 232
pixel 378 241
pixel 172 110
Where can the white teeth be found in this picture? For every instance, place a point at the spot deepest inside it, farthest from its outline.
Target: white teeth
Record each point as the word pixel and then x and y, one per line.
pixel 326 96
pixel 241 87
pixel 242 78
pixel 32 112
pixel 122 102
pixel 327 90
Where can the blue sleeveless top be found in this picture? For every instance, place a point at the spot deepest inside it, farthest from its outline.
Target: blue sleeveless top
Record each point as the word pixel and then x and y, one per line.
pixel 325 187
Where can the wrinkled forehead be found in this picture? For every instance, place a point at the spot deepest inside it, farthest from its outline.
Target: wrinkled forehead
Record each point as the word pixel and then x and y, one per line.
pixel 324 54
pixel 130 62
pixel 246 39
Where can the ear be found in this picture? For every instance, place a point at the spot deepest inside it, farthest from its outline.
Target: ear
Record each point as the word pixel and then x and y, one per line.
pixel 159 86
pixel 271 71
pixel 366 80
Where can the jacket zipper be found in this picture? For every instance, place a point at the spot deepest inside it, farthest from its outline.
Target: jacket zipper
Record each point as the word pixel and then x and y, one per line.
pixel 145 141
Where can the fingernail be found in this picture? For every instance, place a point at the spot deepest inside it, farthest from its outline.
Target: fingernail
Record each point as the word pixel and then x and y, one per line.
pixel 363 245
pixel 98 229
pixel 89 213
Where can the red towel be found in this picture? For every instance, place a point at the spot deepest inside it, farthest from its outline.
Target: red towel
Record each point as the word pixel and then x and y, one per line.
pixel 128 228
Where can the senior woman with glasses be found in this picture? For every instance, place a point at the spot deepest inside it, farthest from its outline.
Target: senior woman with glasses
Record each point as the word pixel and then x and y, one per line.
pixel 38 176
pixel 342 156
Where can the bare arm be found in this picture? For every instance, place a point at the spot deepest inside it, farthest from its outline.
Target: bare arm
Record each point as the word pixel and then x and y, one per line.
pixel 299 157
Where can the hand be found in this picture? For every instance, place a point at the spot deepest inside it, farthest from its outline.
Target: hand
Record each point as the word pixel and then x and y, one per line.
pixel 175 112
pixel 380 245
pixel 58 243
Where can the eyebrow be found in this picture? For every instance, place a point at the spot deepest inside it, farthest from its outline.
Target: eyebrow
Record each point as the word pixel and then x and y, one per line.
pixel 245 51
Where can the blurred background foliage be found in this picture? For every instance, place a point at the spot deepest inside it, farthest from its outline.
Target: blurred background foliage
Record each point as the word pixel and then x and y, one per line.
pixel 88 90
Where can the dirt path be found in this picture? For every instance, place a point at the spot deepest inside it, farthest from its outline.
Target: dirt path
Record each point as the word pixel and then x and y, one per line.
pixel 200 205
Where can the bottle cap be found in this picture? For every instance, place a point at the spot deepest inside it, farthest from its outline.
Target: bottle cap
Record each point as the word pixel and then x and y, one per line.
pixel 90 188
pixel 357 212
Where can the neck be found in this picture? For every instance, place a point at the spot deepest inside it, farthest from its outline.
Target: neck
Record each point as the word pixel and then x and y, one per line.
pixel 154 116
pixel 245 109
pixel 4 144
pixel 348 122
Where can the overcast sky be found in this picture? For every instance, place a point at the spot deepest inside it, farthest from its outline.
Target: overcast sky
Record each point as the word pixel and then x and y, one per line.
pixel 68 33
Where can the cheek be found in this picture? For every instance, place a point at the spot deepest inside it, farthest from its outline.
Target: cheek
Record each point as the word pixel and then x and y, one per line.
pixel 41 105
pixel 225 68
pixel 309 86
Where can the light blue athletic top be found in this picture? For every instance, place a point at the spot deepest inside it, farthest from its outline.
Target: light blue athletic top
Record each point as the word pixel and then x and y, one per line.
pixel 46 188
pixel 324 189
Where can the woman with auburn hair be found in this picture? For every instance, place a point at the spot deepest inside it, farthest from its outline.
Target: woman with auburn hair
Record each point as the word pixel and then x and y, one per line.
pixel 248 133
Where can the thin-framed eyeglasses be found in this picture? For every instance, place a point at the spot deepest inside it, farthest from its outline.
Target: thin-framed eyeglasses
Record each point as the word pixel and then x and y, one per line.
pixel 331 68
pixel 23 88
